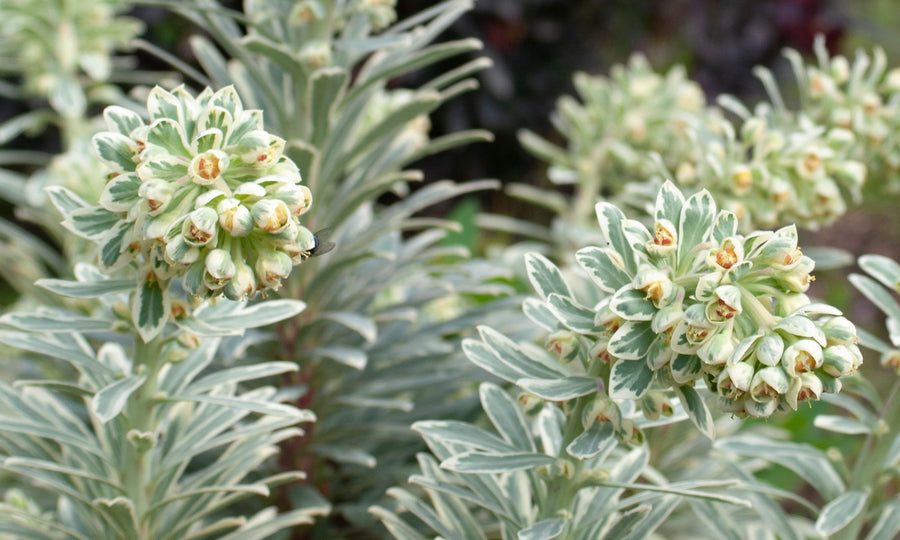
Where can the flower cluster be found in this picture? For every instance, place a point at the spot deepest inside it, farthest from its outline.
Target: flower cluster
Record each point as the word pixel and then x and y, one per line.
pixel 203 192
pixel 860 97
pixel 771 172
pixel 85 36
pixel 696 300
pixel 619 121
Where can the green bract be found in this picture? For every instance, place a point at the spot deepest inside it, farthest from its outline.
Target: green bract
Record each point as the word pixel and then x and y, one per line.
pixel 700 301
pixel 202 192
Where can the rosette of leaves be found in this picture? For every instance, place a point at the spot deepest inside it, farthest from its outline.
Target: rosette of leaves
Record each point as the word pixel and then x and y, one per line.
pixel 376 342
pixel 202 193
pixel 142 439
pixel 64 47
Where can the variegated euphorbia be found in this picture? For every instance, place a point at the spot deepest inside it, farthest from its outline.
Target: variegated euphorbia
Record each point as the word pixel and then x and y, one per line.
pixel 203 193
pixel 695 300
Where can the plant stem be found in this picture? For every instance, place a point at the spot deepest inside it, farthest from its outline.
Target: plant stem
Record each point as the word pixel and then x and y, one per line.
pixel 141 418
pixel 869 463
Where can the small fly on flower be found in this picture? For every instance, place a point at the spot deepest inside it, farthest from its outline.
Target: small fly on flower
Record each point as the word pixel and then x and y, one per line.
pixel 314 244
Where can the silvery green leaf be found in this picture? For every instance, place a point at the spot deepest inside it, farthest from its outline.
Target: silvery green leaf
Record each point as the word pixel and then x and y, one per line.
pixel 542 148
pixel 841 424
pixel 725 226
pixel 545 529
pixel 893 455
pixel 240 374
pixel 454 431
pixel 669 202
pixel 398 528
pixel 55 322
pixel 559 389
pixel 67 97
pixel 483 356
pixel 482 463
pixel 888 525
pixel 116 150
pixel 262 407
pixel 268 522
pixel 110 400
pixel 883 269
pixel 803 327
pixel 349 356
pixel 840 511
pixel 599 438
pixel 695 224
pixel 326 89
pixel 69 347
pixel 829 258
pixel 686 368
pixel 697 410
pixel 150 308
pixel 112 246
pixel 540 314
pixel 629 379
pixel 605 267
pixel 413 504
pixel 121 119
pixel 362 325
pixel 658 513
pixel 627 522
pixel 506 416
pixel 512 354
pixel 345 454
pixel 549 428
pixel 91 223
pixel 804 460
pixel 632 305
pixel 612 225
pixel 876 294
pixel 716 521
pixel 545 277
pixel 87 289
pixel 571 314
pixel 229 314
pixel 632 340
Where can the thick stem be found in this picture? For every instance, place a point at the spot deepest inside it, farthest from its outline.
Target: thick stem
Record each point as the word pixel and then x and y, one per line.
pixel 141 418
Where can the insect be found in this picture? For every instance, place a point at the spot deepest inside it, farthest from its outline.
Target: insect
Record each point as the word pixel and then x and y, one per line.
pixel 313 244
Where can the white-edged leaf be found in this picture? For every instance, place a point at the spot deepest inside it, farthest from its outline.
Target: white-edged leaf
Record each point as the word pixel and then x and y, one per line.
pixel 604 266
pixel 841 511
pixel 632 340
pixel 150 308
pixel 597 439
pixel 454 431
pixel 695 223
pixel 506 416
pixel 883 269
pixel 109 402
pixel 540 314
pixel 612 225
pixel 362 325
pixel 669 202
pixel 483 463
pixel 629 379
pixel 349 356
pixel 632 305
pixel 345 454
pixel 86 289
pixel 546 529
pixel 559 389
pixel 239 374
pixel 697 410
pixel 574 316
pixel 887 527
pixel 841 424
pixel 545 277
pixel 230 315
pixel 262 407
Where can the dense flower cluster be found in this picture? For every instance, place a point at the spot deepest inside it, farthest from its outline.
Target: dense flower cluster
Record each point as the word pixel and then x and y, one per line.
pixel 204 192
pixel 771 167
pixel 84 38
pixel 696 300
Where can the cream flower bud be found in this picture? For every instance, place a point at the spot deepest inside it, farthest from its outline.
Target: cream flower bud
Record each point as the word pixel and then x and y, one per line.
pixel 157 193
pixel 735 379
pixel 298 198
pixel 686 173
pixel 666 318
pixel 220 265
pixel 810 387
pixel 271 267
pixel 271 215
pixel 839 69
pixel 770 349
pixel 200 228
pixel 892 80
pixel 725 305
pixel 753 130
pixel 851 172
pixel 656 284
pixel 717 350
pixel 563 343
pixel 841 360
pixel 802 356
pixel 234 217
pixel 798 278
pixel 840 331
pixel 208 167
pixel 665 238
pixel 726 255
pixel 769 383
pixel 242 285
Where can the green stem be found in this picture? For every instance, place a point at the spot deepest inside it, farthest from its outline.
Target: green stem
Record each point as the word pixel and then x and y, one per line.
pixel 587 192
pixel 141 418
pixel 869 464
pixel 754 309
